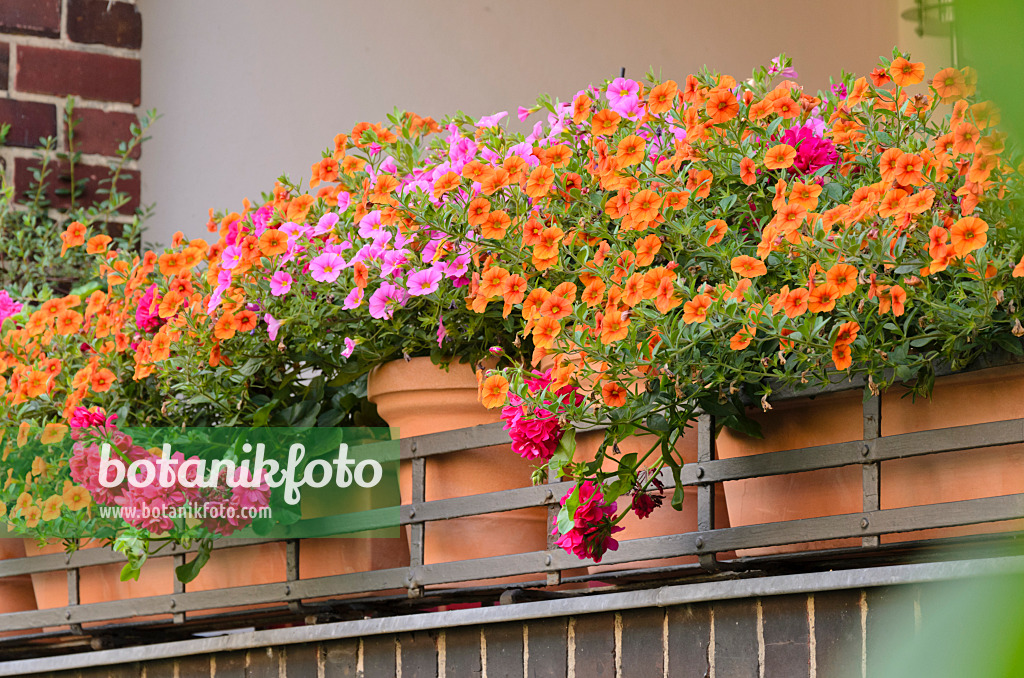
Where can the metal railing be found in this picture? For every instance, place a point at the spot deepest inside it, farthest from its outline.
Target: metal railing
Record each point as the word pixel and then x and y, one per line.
pixel 363 590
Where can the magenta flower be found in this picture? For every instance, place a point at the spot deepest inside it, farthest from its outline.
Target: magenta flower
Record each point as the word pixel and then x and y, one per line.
pixel 812 151
pixel 8 306
pixel 591 534
pixel 280 284
pixel 491 120
pixel 229 259
pixel 423 282
pixel 350 346
pixel 523 113
pixel 442 333
pixel 326 267
pixel 326 223
pixel 147 318
pixel 622 94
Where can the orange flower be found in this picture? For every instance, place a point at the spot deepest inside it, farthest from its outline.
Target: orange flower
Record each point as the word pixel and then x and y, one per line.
pixel 97 244
pixel 748 266
pixel 796 302
pixel 613 394
pixel 73 236
pixel 273 242
pixel 631 150
pixel 68 322
pixel 448 181
pixel 844 277
pixel 906 73
pixel 614 327
pixel 968 234
pixel 696 310
pixel 644 206
pixel 534 300
pixel 722 106
pixel 75 497
pixel 908 169
pixel 887 164
pixel 544 332
pixel 593 294
pixel 581 108
pixel 1018 270
pixel 847 333
pixel 513 289
pixel 662 97
pixel 539 182
pixel 805 195
pixel 949 84
pixel 785 107
pixel 496 225
pixel 747 175
pixel 102 380
pixel 494 391
pixel 246 321
pixel 53 433
pixel 225 327
pixel 718 229
pixel 741 339
pixel 492 282
pixel 479 208
pixel 779 157
pixel 822 298
pixel 842 356
pixel 555 306
pixel 605 122
pixel 646 248
pixel 169 304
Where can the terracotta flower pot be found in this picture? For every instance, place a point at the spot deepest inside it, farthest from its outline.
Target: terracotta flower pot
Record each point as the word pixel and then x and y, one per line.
pixel 419 398
pixel 665 520
pixel 969 398
pixel 16 593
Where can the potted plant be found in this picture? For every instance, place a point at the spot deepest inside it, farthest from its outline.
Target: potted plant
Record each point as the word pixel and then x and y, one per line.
pixel 726 238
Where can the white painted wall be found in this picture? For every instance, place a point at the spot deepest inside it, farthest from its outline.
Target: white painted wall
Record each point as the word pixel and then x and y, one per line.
pixel 249 89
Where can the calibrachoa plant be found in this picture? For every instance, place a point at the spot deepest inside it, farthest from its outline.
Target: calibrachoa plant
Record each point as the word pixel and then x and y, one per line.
pixel 686 248
pixel 644 252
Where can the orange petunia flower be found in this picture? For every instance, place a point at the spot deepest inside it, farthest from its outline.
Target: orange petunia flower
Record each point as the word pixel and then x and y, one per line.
pixel 748 266
pixel 722 106
pixel 605 122
pixel 496 225
pixel 644 205
pixel 785 107
pixel 847 333
pixel 273 242
pixel 492 281
pixel 662 97
pixel 718 229
pixel 822 298
pixel 73 236
pixel 544 332
pixel 494 391
pixel 747 171
pixel 613 394
pixel 908 171
pixel 646 248
pixel 593 294
pixel 97 244
pixel 581 108
pixel 844 277
pixel 741 339
pixel 796 302
pixel 53 433
pixel 842 356
pixel 614 327
pixel 949 84
pixel 68 322
pixel 696 310
pixel 905 73
pixel 805 195
pixel 1018 270
pixel 539 182
pixel 779 157
pixel 631 150
pixel 76 497
pixel 102 380
pixel 968 234
pixel 479 208
pixel 448 181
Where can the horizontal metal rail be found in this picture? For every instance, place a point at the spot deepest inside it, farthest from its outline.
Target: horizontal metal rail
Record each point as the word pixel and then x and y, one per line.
pixel 705 544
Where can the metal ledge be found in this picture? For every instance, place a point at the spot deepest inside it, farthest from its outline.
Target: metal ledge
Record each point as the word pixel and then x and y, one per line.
pixel 609 602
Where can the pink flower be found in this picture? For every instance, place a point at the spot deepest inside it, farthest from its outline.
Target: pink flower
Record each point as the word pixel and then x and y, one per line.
pixel 491 120
pixel 280 284
pixel 326 223
pixel 147 317
pixel 232 254
pixel 273 324
pixel 350 346
pixel 8 306
pixel 384 301
pixel 423 282
pixel 812 151
pixel 354 299
pixel 591 534
pixel 622 94
pixel 326 267
pixel 442 333
pixel 523 113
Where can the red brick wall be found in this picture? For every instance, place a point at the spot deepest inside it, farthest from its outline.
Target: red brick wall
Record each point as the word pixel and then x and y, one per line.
pixel 50 49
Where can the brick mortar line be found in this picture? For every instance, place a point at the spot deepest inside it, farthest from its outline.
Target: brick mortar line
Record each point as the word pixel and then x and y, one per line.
pixel 68 45
pixel 92 159
pixel 833 580
pixel 80 102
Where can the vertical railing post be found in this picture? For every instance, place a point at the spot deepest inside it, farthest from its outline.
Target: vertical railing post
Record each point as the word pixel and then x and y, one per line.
pixel 292 562
pixel 74 592
pixel 416 542
pixel 705 491
pixel 553 578
pixel 872 472
pixel 179 586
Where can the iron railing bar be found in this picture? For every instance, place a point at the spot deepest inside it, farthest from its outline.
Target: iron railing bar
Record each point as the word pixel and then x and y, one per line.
pixel 953 439
pixel 907 519
pixel 871 472
pixel 458 440
pixel 706 491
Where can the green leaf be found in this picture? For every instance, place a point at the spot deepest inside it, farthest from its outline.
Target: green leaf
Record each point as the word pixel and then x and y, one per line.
pixel 191 569
pixel 1010 344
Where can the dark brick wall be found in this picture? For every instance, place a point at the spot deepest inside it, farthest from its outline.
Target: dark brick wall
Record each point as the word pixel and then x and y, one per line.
pixel 836 632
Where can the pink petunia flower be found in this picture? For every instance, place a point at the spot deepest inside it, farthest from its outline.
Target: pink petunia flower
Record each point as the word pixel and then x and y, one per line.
pixel 326 267
pixel 273 324
pixel 280 284
pixel 423 282
pixel 350 346
pixel 354 299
